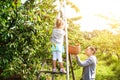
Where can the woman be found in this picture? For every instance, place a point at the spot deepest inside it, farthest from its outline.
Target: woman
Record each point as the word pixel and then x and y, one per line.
pixel 89 65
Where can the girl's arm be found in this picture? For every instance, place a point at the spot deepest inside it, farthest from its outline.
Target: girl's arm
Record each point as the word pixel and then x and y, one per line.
pixel 84 63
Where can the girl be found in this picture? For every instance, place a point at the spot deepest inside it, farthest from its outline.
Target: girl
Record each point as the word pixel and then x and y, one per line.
pixel 57 44
pixel 89 65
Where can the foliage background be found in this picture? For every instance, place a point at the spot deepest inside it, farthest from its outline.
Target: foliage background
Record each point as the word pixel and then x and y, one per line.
pixel 25 31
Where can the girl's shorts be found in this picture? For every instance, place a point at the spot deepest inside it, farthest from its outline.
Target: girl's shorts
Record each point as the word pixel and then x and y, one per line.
pixel 58 48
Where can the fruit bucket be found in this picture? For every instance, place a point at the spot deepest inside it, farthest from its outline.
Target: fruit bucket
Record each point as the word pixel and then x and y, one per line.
pixel 74 50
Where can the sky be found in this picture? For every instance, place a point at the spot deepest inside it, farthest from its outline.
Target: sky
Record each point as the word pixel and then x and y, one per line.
pixel 23 1
pixel 89 9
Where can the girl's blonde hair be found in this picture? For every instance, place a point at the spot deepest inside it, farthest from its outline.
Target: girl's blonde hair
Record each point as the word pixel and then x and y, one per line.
pixel 59 23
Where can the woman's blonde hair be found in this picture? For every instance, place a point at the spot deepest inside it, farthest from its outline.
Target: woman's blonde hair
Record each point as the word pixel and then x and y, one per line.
pixel 59 23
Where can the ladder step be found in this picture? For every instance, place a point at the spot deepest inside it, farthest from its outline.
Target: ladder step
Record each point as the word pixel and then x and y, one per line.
pixel 51 72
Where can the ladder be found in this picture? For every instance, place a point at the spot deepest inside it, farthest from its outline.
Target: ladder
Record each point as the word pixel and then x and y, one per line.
pixel 58 73
pixel 50 72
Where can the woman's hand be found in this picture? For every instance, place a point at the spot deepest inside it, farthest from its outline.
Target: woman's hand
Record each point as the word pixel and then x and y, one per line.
pixel 76 56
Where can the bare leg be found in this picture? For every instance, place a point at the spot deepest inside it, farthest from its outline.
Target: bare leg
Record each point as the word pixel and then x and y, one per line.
pixel 61 65
pixel 62 68
pixel 54 64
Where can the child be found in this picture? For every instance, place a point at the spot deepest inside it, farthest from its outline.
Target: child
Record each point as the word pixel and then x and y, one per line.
pixel 89 65
pixel 57 44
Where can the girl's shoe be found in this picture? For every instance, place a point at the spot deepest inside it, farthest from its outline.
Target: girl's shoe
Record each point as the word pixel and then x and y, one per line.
pixel 54 70
pixel 62 70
